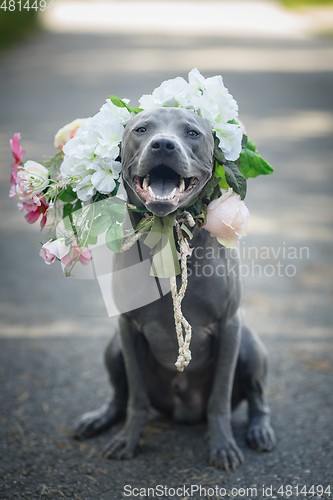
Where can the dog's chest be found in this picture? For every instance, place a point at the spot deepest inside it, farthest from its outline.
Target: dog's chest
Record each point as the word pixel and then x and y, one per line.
pixel 212 296
pixel 213 282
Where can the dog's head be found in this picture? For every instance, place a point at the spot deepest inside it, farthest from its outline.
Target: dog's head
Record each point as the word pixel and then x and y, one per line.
pixel 167 158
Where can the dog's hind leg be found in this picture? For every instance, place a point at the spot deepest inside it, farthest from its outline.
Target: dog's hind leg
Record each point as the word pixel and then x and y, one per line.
pixel 251 374
pixel 97 421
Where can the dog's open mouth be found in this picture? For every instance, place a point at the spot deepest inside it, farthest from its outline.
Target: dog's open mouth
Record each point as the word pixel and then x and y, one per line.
pixel 162 184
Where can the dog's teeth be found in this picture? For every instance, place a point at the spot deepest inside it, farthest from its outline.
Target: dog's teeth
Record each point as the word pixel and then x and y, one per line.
pixel 145 182
pixel 182 185
pixel 154 196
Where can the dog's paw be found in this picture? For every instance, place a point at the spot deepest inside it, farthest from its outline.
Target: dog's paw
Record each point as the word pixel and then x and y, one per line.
pixel 97 421
pixel 260 437
pixel 122 446
pixel 226 457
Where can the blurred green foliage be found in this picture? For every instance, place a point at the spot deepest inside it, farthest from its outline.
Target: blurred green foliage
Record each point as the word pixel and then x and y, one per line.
pixel 16 24
pixel 298 4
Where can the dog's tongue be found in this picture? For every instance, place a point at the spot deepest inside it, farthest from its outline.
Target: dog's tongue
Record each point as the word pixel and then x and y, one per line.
pixel 162 186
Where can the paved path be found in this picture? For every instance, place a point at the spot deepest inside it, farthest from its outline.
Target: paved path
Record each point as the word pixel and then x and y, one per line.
pixel 54 330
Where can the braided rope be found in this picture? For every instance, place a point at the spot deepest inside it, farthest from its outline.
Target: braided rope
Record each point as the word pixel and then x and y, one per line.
pixel 126 245
pixel 184 353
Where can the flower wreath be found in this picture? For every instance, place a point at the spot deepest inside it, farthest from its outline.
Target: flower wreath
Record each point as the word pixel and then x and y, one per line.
pixel 76 190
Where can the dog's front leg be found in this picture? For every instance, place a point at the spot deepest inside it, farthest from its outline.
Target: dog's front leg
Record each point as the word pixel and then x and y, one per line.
pixel 134 348
pixel 224 452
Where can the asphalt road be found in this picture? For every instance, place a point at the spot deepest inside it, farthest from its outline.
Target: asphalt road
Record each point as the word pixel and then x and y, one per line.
pixel 54 330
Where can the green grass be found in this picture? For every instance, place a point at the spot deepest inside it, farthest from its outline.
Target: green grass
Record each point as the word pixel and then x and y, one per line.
pixel 298 4
pixel 16 25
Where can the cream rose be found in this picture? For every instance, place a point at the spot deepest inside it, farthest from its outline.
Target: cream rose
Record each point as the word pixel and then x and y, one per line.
pixel 227 219
pixel 67 132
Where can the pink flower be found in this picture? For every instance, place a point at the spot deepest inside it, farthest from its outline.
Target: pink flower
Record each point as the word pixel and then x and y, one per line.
pixel 28 182
pixel 35 177
pixel 227 219
pixel 80 253
pixel 16 148
pixel 66 133
pixel 18 154
pixel 52 250
pixel 35 210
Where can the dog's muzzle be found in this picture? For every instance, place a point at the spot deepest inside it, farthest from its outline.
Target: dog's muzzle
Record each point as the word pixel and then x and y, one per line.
pixel 163 188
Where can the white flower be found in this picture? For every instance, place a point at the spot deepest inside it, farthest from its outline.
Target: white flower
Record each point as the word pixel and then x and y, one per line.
pixel 214 91
pixel 170 93
pixel 106 173
pixel 196 80
pixel 110 111
pixel 109 135
pixel 67 132
pixel 210 99
pixel 91 153
pixel 84 143
pixel 34 176
pixel 227 219
pixel 52 250
pixel 103 181
pixel 230 136
pixel 72 166
pixel 85 189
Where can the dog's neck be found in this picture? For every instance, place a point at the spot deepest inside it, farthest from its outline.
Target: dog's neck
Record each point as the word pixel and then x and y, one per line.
pixel 136 217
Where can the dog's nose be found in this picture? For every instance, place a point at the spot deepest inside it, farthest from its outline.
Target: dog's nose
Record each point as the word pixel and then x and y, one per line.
pixel 163 146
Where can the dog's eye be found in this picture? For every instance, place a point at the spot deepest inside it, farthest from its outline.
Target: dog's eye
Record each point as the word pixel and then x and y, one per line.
pixel 141 130
pixel 192 133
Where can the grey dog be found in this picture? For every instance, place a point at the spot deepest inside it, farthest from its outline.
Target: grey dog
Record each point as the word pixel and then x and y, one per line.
pixel 167 158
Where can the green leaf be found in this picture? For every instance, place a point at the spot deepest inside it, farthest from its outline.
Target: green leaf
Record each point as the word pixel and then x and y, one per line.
pixel 251 164
pixel 235 178
pixel 99 197
pixel 250 145
pixel 195 208
pixel 219 171
pixel 186 230
pixel 118 211
pixel 92 240
pixel 138 210
pixel 121 104
pixel 245 141
pixel 100 224
pixel 211 185
pixel 96 209
pixel 218 152
pixel 77 206
pixel 67 210
pixel 232 175
pixel 87 239
pixel 114 237
pixel 144 225
pixel 67 194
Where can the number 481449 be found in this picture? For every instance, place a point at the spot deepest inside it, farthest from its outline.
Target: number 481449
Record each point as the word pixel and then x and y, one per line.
pixel 25 5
